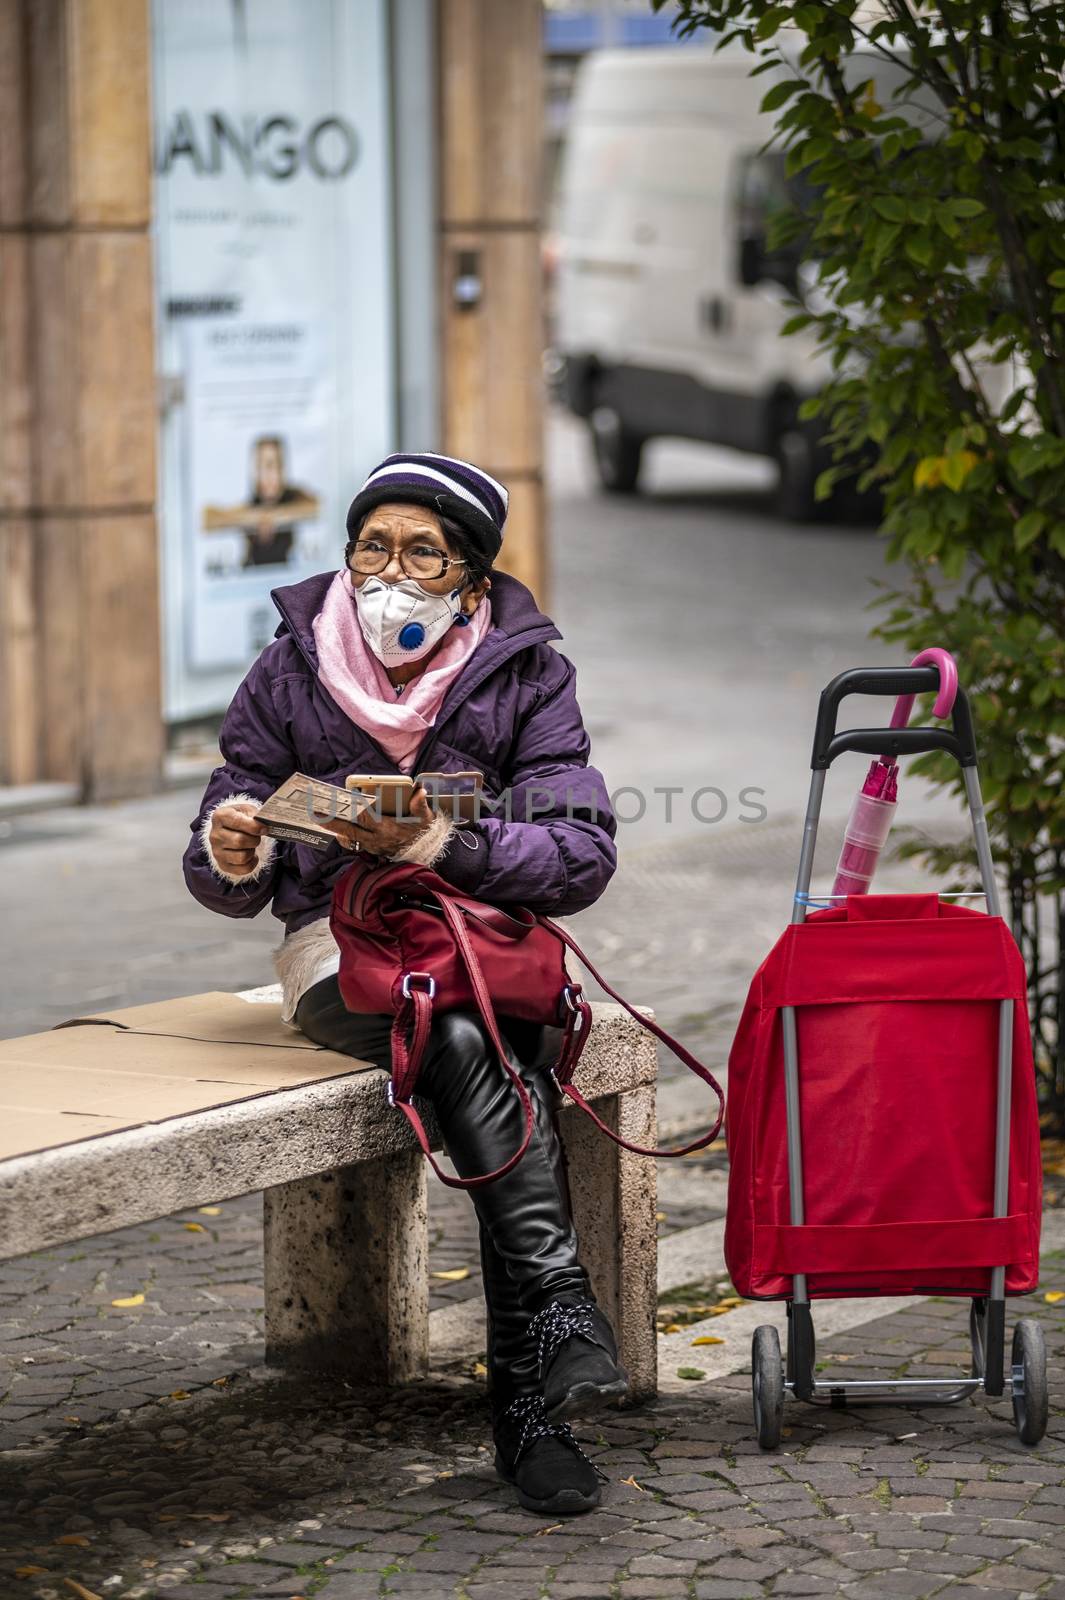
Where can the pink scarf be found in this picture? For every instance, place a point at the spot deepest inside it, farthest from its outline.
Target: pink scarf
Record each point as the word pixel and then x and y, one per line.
pixel 360 685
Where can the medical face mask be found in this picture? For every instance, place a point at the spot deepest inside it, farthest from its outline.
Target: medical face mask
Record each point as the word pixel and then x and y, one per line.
pixel 402 621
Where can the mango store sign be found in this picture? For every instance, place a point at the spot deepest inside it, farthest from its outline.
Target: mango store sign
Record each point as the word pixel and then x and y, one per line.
pixel 275 313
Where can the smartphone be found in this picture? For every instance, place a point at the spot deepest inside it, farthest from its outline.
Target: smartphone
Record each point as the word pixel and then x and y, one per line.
pixel 452 792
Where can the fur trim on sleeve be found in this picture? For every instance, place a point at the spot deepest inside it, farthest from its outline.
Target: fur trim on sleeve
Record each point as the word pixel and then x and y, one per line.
pixel 265 850
pixel 302 959
pixel 429 846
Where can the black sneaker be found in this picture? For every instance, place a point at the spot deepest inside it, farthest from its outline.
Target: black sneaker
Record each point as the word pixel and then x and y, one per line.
pixel 578 1357
pixel 544 1462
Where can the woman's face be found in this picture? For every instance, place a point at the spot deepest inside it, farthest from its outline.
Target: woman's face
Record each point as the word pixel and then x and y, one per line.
pixel 271 479
pixel 397 528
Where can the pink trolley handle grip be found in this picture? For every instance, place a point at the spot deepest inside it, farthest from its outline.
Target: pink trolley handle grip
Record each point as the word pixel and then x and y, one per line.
pixel 948 686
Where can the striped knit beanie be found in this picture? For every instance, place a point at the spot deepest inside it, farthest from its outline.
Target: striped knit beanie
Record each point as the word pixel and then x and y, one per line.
pixel 453 488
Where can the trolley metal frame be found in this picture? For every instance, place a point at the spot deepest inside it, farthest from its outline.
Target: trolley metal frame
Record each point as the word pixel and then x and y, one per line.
pixel 988 1314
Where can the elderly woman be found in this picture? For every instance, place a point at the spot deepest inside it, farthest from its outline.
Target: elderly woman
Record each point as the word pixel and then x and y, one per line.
pixel 417 655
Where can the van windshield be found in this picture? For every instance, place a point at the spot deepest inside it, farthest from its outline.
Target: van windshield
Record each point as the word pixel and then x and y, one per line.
pixel 764 192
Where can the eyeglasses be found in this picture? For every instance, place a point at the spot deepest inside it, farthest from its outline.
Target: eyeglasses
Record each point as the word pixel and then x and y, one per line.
pixel 417 560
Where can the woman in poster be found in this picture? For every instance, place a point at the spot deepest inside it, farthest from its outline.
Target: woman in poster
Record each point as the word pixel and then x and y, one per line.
pixel 418 655
pixel 269 537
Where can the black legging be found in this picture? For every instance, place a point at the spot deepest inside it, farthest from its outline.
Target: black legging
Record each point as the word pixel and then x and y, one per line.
pixel 528 1242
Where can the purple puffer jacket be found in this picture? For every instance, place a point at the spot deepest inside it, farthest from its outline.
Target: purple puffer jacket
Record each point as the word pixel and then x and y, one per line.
pixel 512 714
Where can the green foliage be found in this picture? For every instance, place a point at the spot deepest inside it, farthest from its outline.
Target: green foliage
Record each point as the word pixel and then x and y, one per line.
pixel 933 137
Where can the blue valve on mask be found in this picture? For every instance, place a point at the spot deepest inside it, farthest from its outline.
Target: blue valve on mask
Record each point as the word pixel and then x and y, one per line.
pixel 410 636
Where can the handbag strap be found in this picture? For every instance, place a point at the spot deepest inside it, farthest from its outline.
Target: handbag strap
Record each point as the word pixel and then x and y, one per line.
pixel 575 1036
pixel 407 1053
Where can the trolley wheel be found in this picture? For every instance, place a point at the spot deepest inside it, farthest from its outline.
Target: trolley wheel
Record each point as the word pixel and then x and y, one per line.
pixel 978 1337
pixel 1029 1381
pixel 767 1386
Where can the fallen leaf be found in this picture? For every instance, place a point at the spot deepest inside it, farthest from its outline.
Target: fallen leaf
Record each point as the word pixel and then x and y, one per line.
pixel 1052 1296
pixel 728 1304
pixel 72 1419
pixel 210 1211
pixel 72 1538
pixel 673 1327
pixel 785 1433
pixel 552 1529
pixel 707 1338
pixel 194 1227
pixel 632 1484
pixel 691 1372
pixel 29 1572
pixel 130 1300
pixel 179 1394
pixel 480 1370
pixel 167 1516
pixel 660 1216
pixel 80 1590
pixel 456 1274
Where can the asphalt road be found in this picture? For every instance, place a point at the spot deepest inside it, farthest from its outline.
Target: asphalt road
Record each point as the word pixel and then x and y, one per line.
pixel 704 629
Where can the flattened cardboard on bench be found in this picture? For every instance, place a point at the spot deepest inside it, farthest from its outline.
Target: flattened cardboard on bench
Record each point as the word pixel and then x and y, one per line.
pixel 149 1063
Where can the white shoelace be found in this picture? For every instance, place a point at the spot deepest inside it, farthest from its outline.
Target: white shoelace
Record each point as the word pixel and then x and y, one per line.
pixel 528 1412
pixel 553 1324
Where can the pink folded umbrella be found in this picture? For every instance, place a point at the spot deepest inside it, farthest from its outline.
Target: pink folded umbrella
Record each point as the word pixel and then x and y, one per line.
pixel 873 810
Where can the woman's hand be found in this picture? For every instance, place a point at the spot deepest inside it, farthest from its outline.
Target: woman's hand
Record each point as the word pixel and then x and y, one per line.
pixel 234 836
pixel 383 836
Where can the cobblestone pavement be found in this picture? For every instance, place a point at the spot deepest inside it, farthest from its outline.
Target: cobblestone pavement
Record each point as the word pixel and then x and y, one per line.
pixel 208 1480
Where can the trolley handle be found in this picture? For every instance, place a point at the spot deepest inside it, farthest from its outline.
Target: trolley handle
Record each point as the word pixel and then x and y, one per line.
pixel 958 742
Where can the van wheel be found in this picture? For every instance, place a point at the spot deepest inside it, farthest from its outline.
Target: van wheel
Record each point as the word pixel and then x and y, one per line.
pixel 618 451
pixel 797 468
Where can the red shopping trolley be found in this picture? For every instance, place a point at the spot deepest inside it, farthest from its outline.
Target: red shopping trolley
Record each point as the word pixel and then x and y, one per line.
pixel 882 1128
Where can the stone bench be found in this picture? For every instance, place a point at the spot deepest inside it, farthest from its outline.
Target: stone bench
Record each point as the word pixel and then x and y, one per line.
pixel 134 1114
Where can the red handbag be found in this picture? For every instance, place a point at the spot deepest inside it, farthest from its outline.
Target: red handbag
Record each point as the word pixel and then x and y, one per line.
pixel 409 941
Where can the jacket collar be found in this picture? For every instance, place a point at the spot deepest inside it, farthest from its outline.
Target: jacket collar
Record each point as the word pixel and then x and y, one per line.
pixel 517 622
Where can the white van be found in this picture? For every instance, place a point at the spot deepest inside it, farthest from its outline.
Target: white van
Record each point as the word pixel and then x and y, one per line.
pixel 668 306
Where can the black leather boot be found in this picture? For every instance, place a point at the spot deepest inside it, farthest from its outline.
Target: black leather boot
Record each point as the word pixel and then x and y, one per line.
pixel 568 1338
pixel 526 1213
pixel 542 1461
pixel 549 1470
